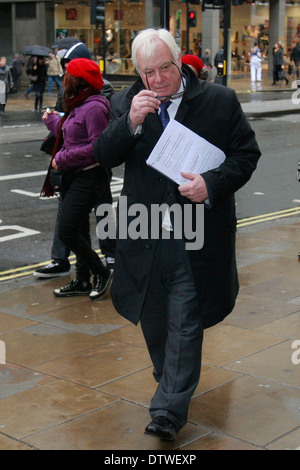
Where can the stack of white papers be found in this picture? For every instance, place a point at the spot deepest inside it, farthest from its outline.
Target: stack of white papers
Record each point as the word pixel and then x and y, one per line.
pixel 180 149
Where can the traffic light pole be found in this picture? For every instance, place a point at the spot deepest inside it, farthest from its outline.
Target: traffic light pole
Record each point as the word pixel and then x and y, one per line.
pixel 98 19
pixel 191 21
pixel 227 16
pixel 187 28
pixel 226 28
pixel 165 14
pixel 104 50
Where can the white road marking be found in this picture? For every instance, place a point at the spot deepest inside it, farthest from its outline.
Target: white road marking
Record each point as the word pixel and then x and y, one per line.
pixel 21 232
pixel 22 175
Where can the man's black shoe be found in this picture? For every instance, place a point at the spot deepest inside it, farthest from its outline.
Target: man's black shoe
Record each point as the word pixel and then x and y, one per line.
pixel 75 287
pixel 101 284
pixel 163 428
pixel 53 269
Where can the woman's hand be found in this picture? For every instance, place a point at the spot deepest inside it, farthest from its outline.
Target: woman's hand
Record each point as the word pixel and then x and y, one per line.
pixel 47 112
pixel 54 165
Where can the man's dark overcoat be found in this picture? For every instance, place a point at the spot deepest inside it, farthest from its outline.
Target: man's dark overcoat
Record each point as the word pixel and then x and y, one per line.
pixel 213 112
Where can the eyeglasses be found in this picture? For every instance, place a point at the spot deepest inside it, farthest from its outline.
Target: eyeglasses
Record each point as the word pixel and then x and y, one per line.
pixel 165 69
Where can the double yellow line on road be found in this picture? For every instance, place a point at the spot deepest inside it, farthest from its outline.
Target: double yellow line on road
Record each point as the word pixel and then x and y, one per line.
pixel 266 217
pixel 28 270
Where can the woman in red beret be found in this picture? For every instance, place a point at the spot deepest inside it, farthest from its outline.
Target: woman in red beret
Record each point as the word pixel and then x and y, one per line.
pixel 196 64
pixel 75 174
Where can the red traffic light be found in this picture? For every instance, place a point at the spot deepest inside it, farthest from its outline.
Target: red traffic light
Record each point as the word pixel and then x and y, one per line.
pixel 192 19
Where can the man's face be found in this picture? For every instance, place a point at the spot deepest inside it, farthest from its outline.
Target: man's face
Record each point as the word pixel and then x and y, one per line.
pixel 158 73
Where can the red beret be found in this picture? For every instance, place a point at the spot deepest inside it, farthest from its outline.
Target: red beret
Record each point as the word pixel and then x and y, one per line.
pixel 86 69
pixel 190 59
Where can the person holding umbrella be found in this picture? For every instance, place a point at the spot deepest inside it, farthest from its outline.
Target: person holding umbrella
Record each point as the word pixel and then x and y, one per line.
pixel 18 64
pixel 30 62
pixel 38 76
pixel 37 72
pixel 36 50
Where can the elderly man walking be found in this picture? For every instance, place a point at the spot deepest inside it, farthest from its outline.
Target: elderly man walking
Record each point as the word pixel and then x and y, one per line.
pixel 174 292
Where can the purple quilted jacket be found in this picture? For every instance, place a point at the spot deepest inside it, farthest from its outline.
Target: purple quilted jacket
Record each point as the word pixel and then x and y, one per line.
pixel 80 130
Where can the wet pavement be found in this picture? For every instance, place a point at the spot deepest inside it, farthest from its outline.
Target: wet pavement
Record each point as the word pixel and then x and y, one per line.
pixel 77 376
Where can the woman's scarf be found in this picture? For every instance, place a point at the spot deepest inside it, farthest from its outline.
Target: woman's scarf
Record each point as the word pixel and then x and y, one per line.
pixel 74 102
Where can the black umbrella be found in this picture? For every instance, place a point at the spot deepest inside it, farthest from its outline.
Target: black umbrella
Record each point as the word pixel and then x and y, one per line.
pixel 36 50
pixel 65 43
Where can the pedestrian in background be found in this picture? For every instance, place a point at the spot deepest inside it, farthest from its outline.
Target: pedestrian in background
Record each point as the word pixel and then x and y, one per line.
pixel 30 63
pixel 18 63
pixel 6 83
pixel 54 72
pixel 83 180
pixel 175 292
pixel 219 64
pixel 278 64
pixel 295 57
pixel 255 63
pixel 38 77
pixel 206 58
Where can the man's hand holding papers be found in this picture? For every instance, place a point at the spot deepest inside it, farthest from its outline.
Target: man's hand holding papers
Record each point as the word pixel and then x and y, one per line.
pixel 196 190
pixel 182 155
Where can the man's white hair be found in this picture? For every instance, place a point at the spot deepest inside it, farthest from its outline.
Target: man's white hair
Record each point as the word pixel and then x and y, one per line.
pixel 147 41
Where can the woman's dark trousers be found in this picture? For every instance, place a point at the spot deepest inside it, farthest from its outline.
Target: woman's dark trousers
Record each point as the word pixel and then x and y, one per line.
pixel 78 200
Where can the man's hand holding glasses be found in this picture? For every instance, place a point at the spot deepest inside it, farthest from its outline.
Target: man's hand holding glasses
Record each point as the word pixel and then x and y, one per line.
pixel 143 103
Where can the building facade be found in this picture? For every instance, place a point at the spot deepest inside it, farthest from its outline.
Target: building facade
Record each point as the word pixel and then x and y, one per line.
pixel 40 22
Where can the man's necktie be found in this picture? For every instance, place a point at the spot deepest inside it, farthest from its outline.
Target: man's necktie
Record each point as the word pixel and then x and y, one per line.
pixel 164 115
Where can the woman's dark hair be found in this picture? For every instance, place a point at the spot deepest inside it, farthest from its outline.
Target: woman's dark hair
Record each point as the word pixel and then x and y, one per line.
pixel 73 86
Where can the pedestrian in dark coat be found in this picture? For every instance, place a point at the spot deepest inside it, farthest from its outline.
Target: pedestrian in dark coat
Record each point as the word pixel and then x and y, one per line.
pixel 278 71
pixel 219 58
pixel 18 63
pixel 174 292
pixel 38 77
pixel 295 57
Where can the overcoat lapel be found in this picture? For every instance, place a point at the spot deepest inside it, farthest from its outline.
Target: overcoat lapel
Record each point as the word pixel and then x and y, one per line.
pixel 182 111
